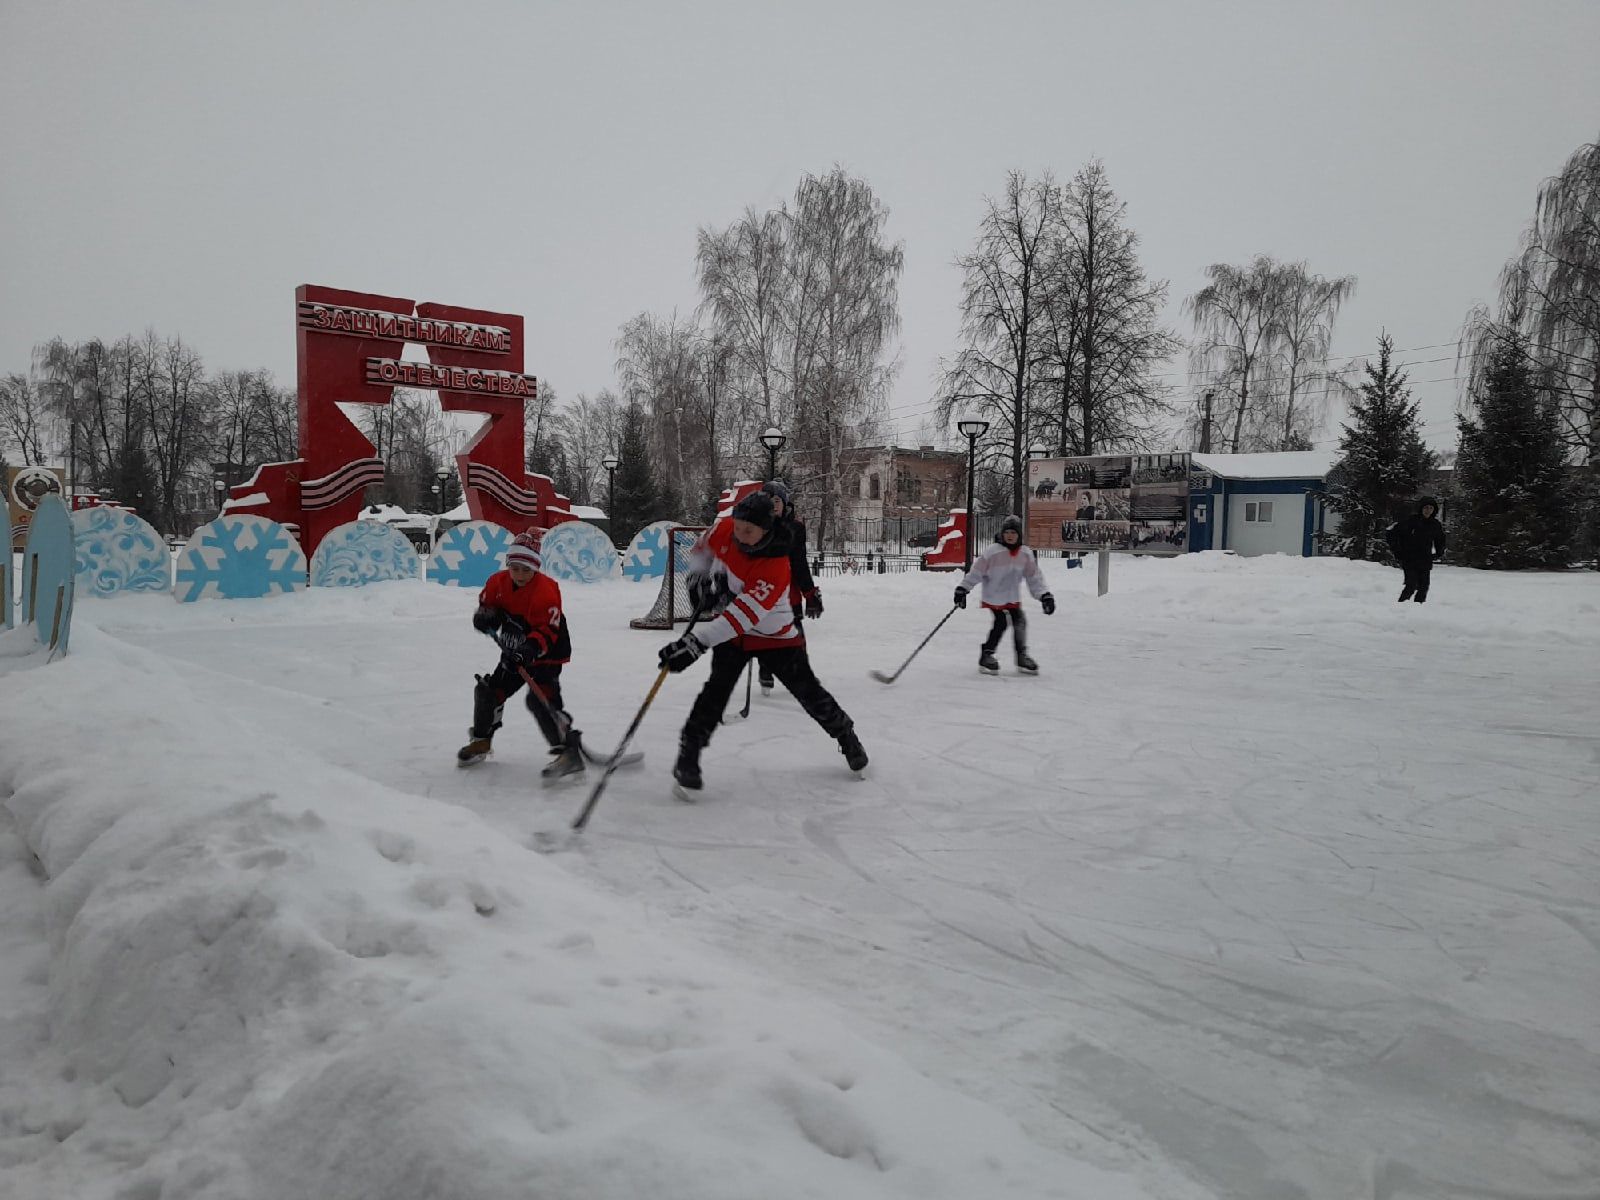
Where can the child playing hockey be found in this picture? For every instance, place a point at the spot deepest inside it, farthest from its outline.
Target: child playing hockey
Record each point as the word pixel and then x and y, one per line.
pixel 520 608
pixel 805 598
pixel 1003 567
pixel 739 579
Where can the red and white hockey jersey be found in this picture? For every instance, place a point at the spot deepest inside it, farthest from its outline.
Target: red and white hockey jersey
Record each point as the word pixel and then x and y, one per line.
pixel 758 617
pixel 1002 570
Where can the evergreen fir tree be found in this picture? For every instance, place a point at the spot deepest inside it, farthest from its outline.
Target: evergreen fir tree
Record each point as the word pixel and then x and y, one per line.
pixel 639 497
pixel 133 482
pixel 1516 506
pixel 1382 463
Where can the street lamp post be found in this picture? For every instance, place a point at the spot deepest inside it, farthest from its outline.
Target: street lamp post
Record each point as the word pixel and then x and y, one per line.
pixel 220 490
pixel 773 439
pixel 440 478
pixel 611 462
pixel 972 428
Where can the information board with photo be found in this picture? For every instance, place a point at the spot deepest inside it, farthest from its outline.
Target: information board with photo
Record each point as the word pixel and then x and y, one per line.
pixel 1137 503
pixel 25 487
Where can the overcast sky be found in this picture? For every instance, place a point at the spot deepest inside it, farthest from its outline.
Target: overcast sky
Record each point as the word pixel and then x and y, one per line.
pixel 185 166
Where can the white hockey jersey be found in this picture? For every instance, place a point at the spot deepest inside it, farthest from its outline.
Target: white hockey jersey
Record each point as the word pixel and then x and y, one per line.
pixel 1002 569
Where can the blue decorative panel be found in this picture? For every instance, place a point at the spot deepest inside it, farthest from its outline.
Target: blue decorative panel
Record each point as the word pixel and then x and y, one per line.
pixel 468 554
pixel 362 552
pixel 647 553
pixel 119 551
pixel 48 564
pixel 237 558
pixel 577 552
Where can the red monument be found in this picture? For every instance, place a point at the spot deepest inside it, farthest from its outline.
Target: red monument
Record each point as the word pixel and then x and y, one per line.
pixel 349 351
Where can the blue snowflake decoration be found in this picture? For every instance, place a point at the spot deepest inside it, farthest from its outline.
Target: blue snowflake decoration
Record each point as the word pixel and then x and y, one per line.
pixel 363 552
pixel 647 553
pixel 237 558
pixel 118 551
pixel 577 552
pixel 468 554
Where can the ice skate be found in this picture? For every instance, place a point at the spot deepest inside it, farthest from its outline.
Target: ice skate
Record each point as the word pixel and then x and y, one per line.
pixel 1025 663
pixel 474 752
pixel 1405 594
pixel 766 682
pixel 687 782
pixel 854 753
pixel 988 664
pixel 568 760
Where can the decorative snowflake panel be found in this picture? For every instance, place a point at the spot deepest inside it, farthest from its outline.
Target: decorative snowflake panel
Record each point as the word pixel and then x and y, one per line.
pixel 468 554
pixel 236 558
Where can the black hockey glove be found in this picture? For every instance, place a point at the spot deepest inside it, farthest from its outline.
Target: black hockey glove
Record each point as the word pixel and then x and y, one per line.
pixel 681 654
pixel 708 594
pixel 961 597
pixel 699 585
pixel 1048 603
pixel 486 619
pixel 813 604
pixel 517 646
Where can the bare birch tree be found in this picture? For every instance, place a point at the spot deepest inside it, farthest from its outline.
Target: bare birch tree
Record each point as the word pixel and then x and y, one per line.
pixel 1005 319
pixel 1234 318
pixel 1113 311
pixel 843 310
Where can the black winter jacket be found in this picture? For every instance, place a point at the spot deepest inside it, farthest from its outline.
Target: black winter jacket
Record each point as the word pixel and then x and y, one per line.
pixel 1417 539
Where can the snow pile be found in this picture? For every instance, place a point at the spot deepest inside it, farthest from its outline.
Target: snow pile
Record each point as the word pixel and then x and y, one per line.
pixel 269 977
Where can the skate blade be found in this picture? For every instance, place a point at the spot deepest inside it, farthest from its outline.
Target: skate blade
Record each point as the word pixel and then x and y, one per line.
pixel 988 671
pixel 683 794
pixel 471 762
pixel 551 781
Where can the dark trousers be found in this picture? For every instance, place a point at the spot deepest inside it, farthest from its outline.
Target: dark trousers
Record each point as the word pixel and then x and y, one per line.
pixel 762 668
pixel 1418 572
pixel 792 669
pixel 505 681
pixel 1019 630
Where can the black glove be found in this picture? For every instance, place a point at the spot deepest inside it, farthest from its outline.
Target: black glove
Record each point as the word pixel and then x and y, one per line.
pixel 813 605
pixel 680 655
pixel 486 619
pixel 961 597
pixel 707 593
pixel 1048 603
pixel 517 646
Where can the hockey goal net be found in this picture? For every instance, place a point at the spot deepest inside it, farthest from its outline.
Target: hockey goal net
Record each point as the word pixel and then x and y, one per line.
pixel 672 602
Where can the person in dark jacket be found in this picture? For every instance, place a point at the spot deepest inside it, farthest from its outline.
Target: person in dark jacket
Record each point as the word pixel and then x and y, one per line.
pixel 1417 542
pixel 805 598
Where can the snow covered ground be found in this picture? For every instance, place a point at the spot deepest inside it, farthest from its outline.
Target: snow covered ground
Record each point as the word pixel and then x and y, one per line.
pixel 1267 887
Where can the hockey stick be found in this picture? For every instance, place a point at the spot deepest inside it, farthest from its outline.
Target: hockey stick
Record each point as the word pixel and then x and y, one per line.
pixel 882 678
pixel 564 726
pixel 749 678
pixel 582 819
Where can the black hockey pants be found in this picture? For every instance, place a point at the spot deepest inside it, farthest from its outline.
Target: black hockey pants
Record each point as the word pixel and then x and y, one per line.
pixel 1019 630
pixel 792 669
pixel 762 668
pixel 494 689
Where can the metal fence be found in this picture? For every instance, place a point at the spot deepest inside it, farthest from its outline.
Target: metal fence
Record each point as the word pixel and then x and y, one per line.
pixel 893 535
pixel 831 562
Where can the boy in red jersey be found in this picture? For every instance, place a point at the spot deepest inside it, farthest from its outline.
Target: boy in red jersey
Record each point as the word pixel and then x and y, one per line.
pixel 520 608
pixel 739 577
